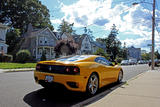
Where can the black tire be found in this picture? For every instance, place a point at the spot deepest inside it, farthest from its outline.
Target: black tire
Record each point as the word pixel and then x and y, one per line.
pixel 92 85
pixel 45 86
pixel 120 76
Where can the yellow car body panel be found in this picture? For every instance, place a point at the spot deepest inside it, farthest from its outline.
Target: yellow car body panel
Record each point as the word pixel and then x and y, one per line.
pixel 87 66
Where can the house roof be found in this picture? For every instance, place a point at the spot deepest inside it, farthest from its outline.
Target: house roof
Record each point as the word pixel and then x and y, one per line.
pixel 78 39
pixel 100 45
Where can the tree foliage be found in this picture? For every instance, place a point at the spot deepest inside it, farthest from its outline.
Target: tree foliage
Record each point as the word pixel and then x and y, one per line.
pixel 66 27
pixel 89 32
pixel 123 52
pixel 72 47
pixel 146 56
pixel 157 54
pixel 23 56
pixel 113 45
pixel 12 38
pixel 101 52
pixel 19 13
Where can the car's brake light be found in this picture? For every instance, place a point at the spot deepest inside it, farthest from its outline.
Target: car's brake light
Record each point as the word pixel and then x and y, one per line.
pixel 72 70
pixel 67 69
pixel 75 70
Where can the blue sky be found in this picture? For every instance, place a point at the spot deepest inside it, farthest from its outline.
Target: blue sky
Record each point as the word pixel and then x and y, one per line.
pixel 133 22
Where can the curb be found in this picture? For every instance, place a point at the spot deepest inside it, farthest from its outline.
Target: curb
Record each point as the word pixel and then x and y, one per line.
pixel 16 70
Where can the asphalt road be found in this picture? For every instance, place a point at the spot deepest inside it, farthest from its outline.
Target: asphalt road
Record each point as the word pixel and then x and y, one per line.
pixel 20 90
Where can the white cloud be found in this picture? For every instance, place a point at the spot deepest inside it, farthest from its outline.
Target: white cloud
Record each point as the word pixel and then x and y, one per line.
pixel 130 19
pixel 90 9
pixel 56 21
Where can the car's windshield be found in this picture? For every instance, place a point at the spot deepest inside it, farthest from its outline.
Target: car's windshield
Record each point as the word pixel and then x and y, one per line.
pixel 73 58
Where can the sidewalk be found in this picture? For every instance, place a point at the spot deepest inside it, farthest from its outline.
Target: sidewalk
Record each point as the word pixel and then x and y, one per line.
pixel 141 91
pixel 16 70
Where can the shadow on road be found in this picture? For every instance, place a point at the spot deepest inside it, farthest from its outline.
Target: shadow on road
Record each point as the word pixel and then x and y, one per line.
pixel 64 98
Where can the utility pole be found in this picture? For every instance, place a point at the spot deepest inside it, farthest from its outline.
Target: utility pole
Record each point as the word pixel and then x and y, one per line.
pixel 153 28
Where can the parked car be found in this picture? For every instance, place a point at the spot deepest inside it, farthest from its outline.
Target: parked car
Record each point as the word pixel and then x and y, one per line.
pixel 124 62
pixel 85 73
pixel 141 62
pixel 156 63
pixel 132 61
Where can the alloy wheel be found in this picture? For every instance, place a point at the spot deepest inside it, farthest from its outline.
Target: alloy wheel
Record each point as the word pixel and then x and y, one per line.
pixel 92 84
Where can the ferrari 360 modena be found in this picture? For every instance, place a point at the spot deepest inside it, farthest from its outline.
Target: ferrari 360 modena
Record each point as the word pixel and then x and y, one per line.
pixel 84 73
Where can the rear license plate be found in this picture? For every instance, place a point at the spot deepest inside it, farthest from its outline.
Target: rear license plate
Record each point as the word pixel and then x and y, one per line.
pixel 49 78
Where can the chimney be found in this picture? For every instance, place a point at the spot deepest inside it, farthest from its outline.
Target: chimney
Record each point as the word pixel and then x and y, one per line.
pixel 30 28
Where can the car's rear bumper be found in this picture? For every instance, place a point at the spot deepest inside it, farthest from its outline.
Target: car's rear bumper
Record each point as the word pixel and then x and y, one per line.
pixel 71 82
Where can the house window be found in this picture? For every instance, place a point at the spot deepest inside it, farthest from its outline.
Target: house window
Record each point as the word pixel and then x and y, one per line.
pixel 86 46
pixel 45 40
pixel 41 39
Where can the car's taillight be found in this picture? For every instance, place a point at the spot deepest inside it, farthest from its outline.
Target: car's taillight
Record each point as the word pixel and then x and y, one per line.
pixel 76 70
pixel 38 67
pixel 72 70
pixel 67 69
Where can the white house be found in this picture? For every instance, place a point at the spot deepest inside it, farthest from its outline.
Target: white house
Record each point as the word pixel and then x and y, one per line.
pixel 86 47
pixel 38 41
pixel 3 45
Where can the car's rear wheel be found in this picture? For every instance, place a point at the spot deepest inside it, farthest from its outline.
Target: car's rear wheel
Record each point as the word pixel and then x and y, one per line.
pixel 120 76
pixel 93 84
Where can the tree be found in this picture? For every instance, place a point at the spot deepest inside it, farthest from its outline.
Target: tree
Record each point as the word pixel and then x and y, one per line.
pixel 113 45
pixel 124 52
pixel 66 27
pixel 19 13
pixel 157 54
pixel 65 47
pixel 146 56
pixel 89 33
pixel 101 52
pixel 12 38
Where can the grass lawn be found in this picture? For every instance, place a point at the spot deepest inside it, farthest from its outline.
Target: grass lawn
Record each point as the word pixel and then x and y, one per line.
pixel 17 65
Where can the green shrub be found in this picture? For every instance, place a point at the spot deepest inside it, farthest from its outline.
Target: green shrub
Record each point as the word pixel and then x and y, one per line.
pixel 23 56
pixel 6 58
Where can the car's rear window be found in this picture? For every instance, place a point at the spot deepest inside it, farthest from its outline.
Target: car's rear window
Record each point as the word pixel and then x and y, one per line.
pixel 73 58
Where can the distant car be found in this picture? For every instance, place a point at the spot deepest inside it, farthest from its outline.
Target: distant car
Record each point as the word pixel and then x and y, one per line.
pixel 132 61
pixel 124 62
pixel 156 63
pixel 141 62
pixel 85 73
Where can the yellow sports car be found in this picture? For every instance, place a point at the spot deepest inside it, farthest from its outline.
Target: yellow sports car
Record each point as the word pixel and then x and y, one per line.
pixel 85 73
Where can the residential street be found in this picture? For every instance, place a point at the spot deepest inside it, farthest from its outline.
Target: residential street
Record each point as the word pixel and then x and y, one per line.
pixel 19 90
